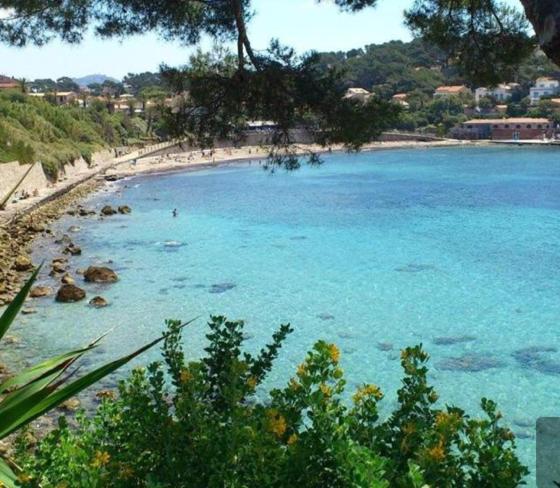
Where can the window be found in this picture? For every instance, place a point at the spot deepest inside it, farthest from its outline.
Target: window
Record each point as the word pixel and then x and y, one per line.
pixel 518 126
pixel 539 126
pixel 495 126
pixel 529 126
pixel 469 126
pixel 507 126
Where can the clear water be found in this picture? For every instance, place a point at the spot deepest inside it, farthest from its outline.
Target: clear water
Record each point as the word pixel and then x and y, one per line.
pixel 399 247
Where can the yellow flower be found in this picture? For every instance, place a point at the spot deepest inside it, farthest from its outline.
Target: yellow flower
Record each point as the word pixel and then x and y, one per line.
pixel 252 382
pixel 186 376
pixel 101 459
pixel 334 353
pixel 302 369
pixel 367 391
pixel 292 439
pixel 276 423
pixel 436 453
pixel 447 421
pixel 325 389
pixel 24 478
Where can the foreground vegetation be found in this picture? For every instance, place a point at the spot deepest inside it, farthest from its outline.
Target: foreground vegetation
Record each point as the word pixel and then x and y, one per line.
pixel 32 129
pixel 210 423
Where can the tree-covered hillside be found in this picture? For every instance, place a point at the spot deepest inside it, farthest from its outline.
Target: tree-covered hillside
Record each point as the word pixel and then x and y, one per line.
pixel 36 130
pixel 397 66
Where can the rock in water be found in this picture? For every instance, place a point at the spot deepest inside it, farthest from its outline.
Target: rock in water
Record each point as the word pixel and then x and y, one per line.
pixel 68 280
pixel 98 302
pixel 124 209
pixel 73 250
pixel 95 274
pixel 40 291
pixel 70 294
pixel 23 263
pixel 108 210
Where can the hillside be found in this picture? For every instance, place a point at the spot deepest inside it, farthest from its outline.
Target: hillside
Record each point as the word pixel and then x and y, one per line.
pixel 398 66
pixel 33 129
pixel 84 81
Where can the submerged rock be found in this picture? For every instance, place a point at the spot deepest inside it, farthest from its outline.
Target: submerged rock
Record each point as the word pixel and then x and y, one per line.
pixel 74 228
pixel 40 292
pixel 530 356
pixel 385 346
pixel 325 316
pixel 99 274
pixel 23 263
pixel 449 341
pixel 222 287
pixel 107 210
pixel 98 302
pixel 124 209
pixel 70 294
pixel 470 363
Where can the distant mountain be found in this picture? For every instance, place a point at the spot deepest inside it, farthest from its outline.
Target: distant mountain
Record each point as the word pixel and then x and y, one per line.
pixel 90 79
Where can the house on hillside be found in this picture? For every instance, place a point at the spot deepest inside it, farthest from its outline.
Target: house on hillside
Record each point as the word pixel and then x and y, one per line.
pixel 544 87
pixel 501 93
pixel 518 128
pixel 7 83
pixel 359 94
pixel 59 98
pixel 451 91
pixel 401 99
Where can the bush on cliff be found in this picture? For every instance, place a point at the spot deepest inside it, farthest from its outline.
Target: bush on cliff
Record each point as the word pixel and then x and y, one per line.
pixel 210 423
pixel 32 129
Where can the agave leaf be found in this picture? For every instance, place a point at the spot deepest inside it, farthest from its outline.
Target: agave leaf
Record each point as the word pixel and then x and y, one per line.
pixel 37 372
pixel 33 406
pixel 7 476
pixel 13 308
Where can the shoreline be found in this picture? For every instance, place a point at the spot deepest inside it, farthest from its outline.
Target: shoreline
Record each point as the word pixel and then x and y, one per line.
pixel 185 161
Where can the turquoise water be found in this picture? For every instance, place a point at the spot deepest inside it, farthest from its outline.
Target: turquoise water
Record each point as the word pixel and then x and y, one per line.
pixel 458 249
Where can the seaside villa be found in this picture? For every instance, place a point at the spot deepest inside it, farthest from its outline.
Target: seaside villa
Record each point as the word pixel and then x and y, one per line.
pixel 520 128
pixel 451 91
pixel 544 87
pixel 501 93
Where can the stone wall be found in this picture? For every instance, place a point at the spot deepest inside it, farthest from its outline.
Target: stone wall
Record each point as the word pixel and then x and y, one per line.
pixel 11 173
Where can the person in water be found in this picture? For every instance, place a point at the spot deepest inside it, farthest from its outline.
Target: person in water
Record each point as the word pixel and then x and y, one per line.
pixel 175 212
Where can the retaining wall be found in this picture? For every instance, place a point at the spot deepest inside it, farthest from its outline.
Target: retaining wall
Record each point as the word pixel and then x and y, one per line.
pixel 11 173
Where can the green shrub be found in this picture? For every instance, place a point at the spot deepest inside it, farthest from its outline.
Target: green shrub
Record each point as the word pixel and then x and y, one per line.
pixel 209 423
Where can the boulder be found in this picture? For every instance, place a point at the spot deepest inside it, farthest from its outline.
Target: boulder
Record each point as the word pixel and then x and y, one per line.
pixel 100 274
pixel 73 250
pixel 67 280
pixel 70 405
pixel 70 294
pixel 74 228
pixel 40 292
pixel 98 302
pixel 23 263
pixel 108 210
pixel 58 267
pixel 124 209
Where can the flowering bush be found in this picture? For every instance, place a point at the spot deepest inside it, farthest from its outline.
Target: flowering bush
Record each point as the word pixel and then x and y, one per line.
pixel 201 424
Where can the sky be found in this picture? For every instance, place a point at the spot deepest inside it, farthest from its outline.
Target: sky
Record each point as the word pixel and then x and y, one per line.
pixel 302 24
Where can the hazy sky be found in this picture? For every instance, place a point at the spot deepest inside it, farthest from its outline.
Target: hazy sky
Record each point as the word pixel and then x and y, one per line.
pixel 299 23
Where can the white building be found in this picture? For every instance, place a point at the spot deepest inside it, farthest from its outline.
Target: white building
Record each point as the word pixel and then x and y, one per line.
pixel 500 93
pixel 544 87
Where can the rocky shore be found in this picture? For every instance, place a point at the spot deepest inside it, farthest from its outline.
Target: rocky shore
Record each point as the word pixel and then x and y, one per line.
pixel 17 235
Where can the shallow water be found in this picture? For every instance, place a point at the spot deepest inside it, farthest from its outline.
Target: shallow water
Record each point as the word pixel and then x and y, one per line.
pixel 458 249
